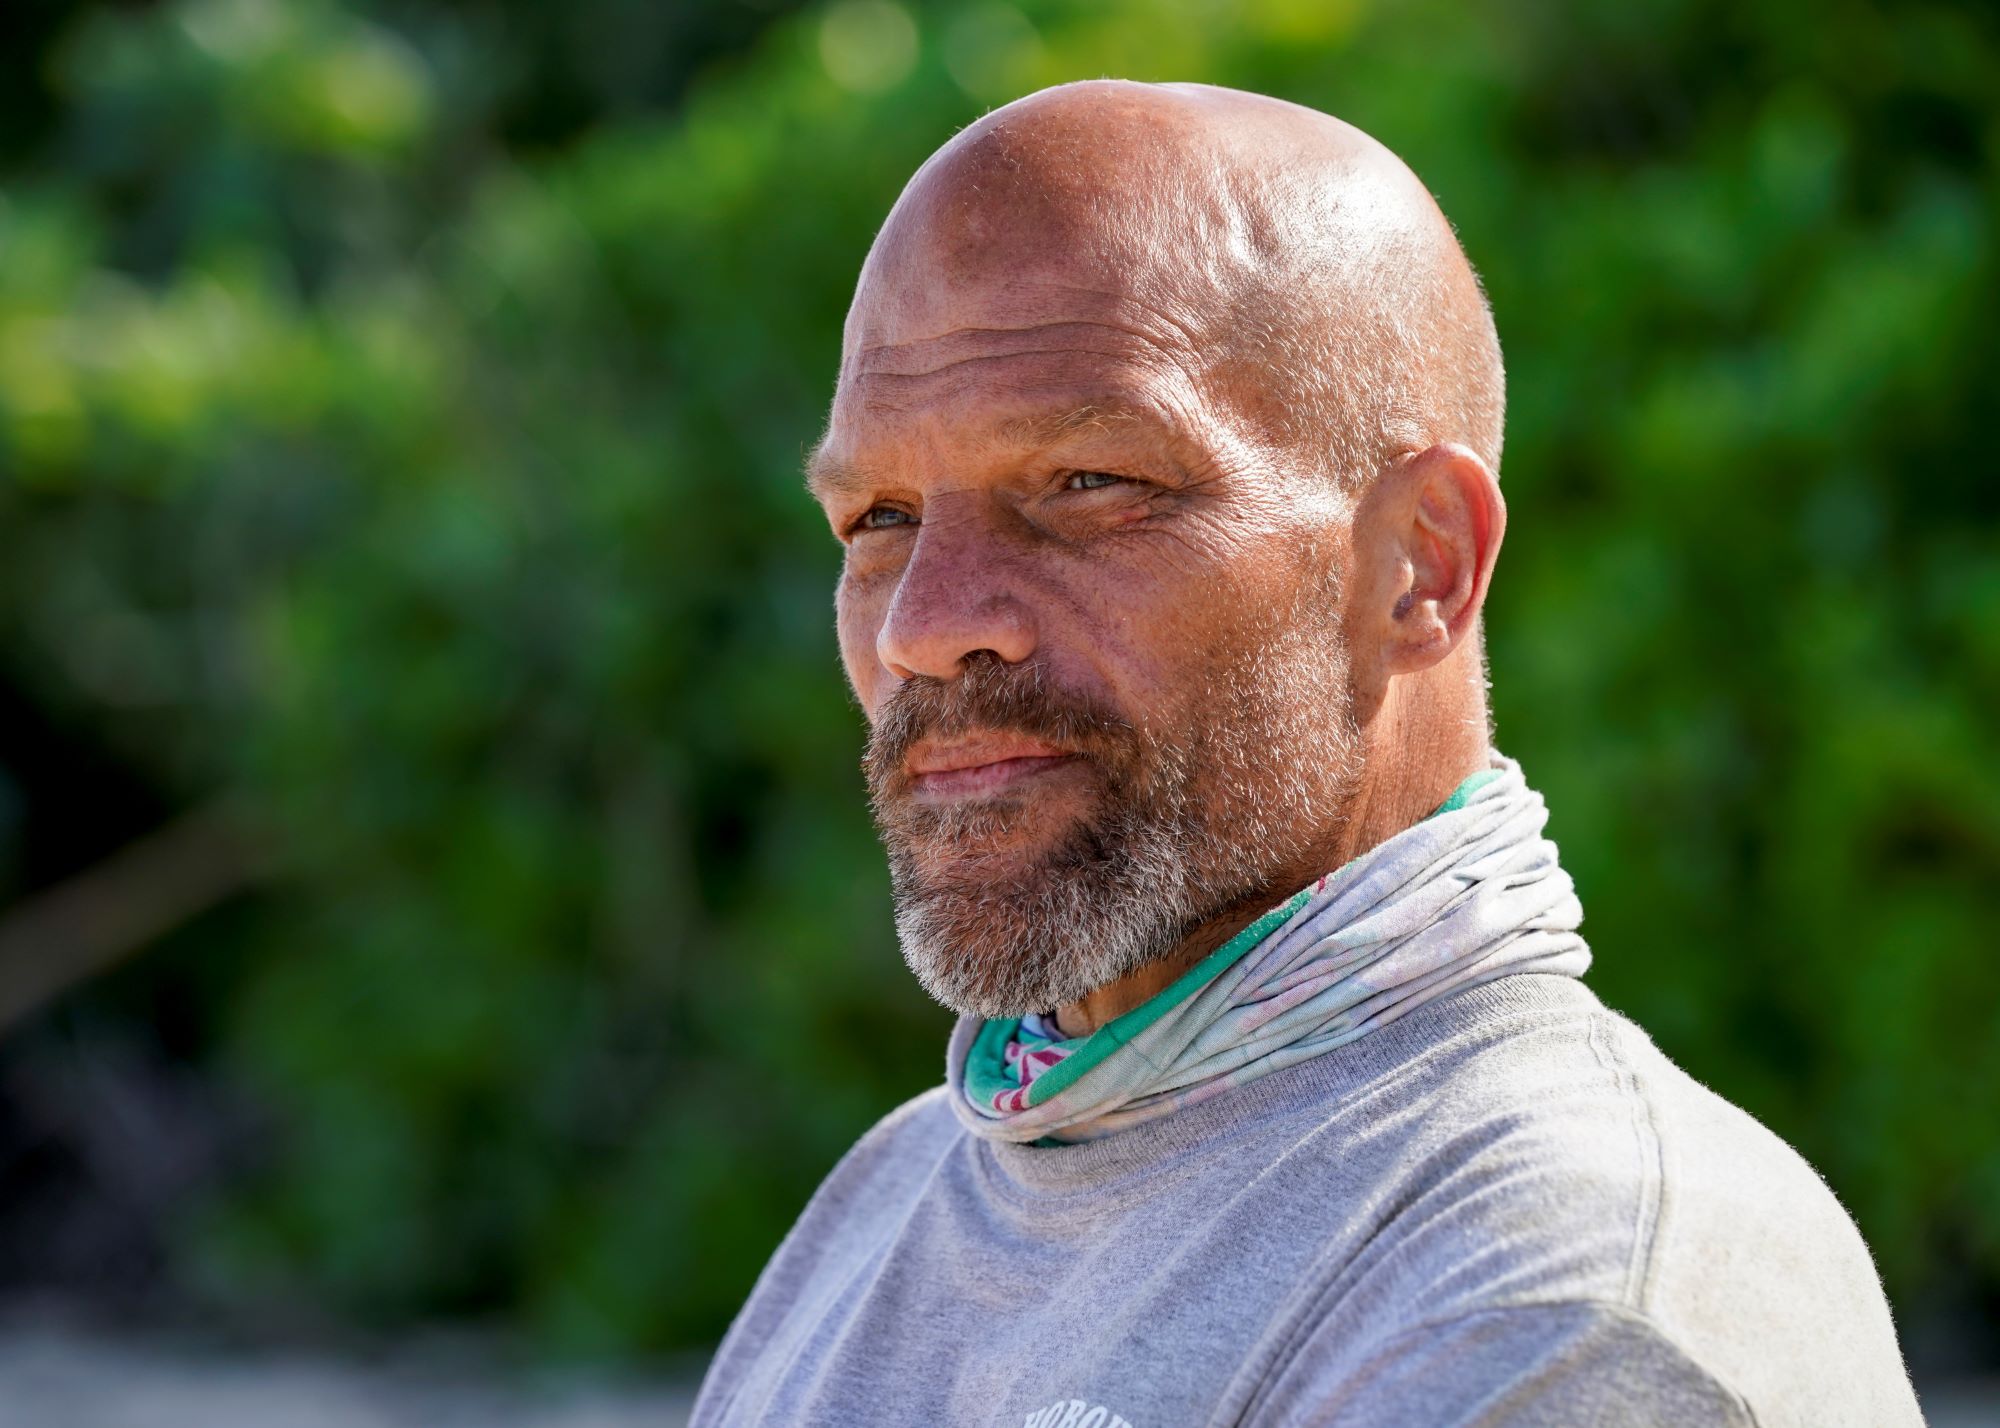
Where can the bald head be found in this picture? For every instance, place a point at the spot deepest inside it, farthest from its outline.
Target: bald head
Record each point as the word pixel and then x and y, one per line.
pixel 1295 270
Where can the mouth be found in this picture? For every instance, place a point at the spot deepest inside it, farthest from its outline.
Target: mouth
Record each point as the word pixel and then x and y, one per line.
pixel 982 765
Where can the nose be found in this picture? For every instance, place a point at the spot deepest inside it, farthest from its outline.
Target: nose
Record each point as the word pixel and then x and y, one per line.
pixel 958 594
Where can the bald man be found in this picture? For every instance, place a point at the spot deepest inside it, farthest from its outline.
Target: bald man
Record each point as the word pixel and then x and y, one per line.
pixel 1164 454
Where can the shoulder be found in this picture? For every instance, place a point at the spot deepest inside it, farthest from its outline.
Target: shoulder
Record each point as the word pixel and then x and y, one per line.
pixel 1547 1154
pixel 883 1172
pixel 1736 1208
pixel 1753 1262
pixel 1532 1116
pixel 871 1189
pixel 843 1228
pixel 908 1139
pixel 919 1129
pixel 1506 1141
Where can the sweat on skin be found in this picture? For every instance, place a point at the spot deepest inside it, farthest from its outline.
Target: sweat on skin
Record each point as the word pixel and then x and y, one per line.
pixel 1164 455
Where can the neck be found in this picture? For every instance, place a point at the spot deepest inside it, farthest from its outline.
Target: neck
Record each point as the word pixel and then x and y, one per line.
pixel 1413 760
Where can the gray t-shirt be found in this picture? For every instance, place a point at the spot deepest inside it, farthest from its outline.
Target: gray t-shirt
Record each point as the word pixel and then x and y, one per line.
pixel 1506 1208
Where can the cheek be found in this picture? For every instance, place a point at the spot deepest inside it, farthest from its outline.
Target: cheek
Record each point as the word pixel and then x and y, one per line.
pixel 857 621
pixel 1169 592
pixel 1181 624
pixel 1141 629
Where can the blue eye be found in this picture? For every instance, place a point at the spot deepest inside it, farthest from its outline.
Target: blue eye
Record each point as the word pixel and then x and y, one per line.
pixel 877 518
pixel 1090 480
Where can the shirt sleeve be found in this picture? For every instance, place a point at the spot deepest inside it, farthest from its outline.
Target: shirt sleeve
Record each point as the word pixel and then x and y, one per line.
pixel 1568 1365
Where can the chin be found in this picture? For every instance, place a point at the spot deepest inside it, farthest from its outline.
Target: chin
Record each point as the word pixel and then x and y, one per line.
pixel 1028 928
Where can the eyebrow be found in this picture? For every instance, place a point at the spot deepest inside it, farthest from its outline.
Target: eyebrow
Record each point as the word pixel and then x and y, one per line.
pixel 828 476
pixel 1050 427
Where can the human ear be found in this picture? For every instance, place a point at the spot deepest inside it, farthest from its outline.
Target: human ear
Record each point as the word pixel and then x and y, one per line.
pixel 1427 534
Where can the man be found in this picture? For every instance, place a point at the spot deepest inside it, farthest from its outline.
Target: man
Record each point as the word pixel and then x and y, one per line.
pixel 1163 452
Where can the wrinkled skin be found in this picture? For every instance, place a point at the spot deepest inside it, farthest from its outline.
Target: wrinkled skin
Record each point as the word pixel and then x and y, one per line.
pixel 1162 453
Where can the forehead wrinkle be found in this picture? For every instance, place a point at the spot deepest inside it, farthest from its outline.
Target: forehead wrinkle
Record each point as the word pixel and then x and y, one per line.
pixel 1069 336
pixel 916 321
pixel 1004 389
pixel 878 375
pixel 988 329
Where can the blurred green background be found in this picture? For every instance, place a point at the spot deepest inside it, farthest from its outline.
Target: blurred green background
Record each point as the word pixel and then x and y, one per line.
pixel 434 877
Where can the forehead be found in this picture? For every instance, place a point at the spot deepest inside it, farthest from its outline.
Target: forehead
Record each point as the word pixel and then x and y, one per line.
pixel 1017 280
pixel 1014 350
pixel 997 247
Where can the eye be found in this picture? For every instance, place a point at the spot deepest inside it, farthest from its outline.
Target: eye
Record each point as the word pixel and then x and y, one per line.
pixel 880 518
pixel 1090 480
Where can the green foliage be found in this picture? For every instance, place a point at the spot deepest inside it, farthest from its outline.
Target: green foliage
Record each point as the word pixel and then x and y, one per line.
pixel 441 502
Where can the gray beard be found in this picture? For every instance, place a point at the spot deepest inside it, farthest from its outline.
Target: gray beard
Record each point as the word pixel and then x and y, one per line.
pixel 1197 830
pixel 1106 903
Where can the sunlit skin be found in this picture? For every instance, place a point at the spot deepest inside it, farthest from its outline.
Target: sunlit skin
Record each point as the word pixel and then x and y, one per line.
pixel 1049 443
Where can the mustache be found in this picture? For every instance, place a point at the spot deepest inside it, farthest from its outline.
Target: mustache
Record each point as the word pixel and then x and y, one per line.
pixel 990 695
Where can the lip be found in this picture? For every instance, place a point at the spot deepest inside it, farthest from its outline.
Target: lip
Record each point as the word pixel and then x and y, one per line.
pixel 980 765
